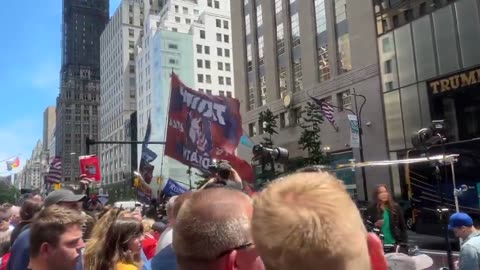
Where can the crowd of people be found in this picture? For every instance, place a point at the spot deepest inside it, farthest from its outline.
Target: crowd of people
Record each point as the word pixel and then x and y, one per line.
pixel 305 220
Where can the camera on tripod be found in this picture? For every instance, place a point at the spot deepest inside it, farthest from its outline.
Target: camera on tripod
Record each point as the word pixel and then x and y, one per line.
pixel 221 167
pixel 277 154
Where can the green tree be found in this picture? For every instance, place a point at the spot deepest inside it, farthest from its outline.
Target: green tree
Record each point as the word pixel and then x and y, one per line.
pixel 8 193
pixel 269 122
pixel 310 137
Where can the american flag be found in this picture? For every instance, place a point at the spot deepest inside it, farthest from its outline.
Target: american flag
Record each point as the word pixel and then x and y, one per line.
pixel 326 109
pixel 55 170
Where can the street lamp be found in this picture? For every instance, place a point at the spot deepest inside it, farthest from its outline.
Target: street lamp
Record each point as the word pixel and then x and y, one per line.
pixel 360 130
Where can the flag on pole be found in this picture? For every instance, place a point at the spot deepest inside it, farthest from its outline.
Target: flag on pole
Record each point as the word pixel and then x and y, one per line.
pixel 13 163
pixel 55 170
pixel 327 111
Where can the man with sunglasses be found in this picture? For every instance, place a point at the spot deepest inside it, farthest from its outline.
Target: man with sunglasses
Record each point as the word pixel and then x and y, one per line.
pixel 212 231
pixel 20 251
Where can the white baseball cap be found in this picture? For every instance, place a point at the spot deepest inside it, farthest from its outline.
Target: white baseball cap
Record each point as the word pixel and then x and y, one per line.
pixel 400 261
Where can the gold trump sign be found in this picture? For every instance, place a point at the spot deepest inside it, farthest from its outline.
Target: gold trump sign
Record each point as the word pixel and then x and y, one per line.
pixel 456 81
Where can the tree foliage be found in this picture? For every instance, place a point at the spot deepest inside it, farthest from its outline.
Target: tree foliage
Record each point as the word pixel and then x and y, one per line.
pixel 8 193
pixel 269 122
pixel 310 138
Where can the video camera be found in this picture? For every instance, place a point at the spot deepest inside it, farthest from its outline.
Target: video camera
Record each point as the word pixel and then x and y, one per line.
pixel 278 154
pixel 221 167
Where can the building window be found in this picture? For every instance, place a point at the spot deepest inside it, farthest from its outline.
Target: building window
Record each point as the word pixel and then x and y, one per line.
pixel 221 93
pixel 196 12
pixel 280 40
pixel 278 6
pixel 131 33
pixel 228 80
pixel 252 129
pixel 226 39
pixel 260 50
pixel 218 23
pixel 220 80
pixel 217 4
pixel 227 67
pixel 209 92
pixel 185 10
pixel 227 53
pixel 200 78
pixel 263 89
pixel 132 68
pixel 298 74
pixel 251 97
pixel 208 79
pixel 207 64
pixel 131 56
pixel 229 94
pixel 176 9
pixel 219 52
pixel 225 24
pixel 207 50
pixel 172 46
pixel 343 37
pixel 210 3
pixel 199 63
pixel 200 90
pixel 219 65
pixel 322 40
pixel 174 29
pixel 295 30
pixel 178 20
pixel 282 79
pixel 344 100
pixel 247 25
pixel 130 20
pixel 188 21
pixel 202 34
pixel 131 44
pixel 259 16
pixel 172 61
pixel 199 48
pixel 249 58
pixel 219 37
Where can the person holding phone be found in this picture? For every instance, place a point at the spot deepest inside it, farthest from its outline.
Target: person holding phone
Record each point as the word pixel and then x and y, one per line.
pixel 387 215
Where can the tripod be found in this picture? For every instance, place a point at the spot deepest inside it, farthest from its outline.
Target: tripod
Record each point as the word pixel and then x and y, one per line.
pixel 443 215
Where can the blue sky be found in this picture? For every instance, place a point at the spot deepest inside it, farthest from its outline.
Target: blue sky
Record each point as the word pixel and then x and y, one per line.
pixel 29 72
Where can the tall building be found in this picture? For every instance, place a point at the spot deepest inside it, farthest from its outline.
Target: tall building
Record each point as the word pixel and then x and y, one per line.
pixel 49 122
pixel 178 39
pixel 118 86
pixel 286 51
pixel 430 69
pixel 79 98
pixel 32 171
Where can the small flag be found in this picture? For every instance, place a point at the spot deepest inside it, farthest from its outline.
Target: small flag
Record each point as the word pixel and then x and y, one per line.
pixel 327 110
pixel 55 170
pixel 13 163
pixel 246 141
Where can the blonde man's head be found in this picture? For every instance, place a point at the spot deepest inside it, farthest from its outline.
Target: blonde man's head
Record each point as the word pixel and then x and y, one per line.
pixel 147 225
pixel 307 220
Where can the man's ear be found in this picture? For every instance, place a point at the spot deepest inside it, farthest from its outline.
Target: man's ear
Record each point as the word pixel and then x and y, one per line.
pixel 45 249
pixel 231 261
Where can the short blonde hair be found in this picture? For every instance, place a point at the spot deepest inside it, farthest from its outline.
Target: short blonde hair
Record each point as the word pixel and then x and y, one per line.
pixel 147 225
pixel 211 222
pixel 308 219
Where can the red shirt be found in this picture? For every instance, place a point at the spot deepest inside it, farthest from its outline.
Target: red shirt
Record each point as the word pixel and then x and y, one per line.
pixel 5 259
pixel 375 249
pixel 149 244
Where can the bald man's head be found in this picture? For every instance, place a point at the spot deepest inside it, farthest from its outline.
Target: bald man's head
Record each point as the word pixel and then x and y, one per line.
pixel 211 222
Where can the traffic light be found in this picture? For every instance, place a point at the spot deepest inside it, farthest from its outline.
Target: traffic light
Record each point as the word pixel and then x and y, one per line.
pixel 88 142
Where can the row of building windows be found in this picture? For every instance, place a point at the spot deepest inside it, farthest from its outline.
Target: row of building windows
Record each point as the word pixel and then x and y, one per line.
pixel 221 93
pixel 206 50
pixel 294 117
pixel 185 11
pixel 201 78
pixel 220 65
